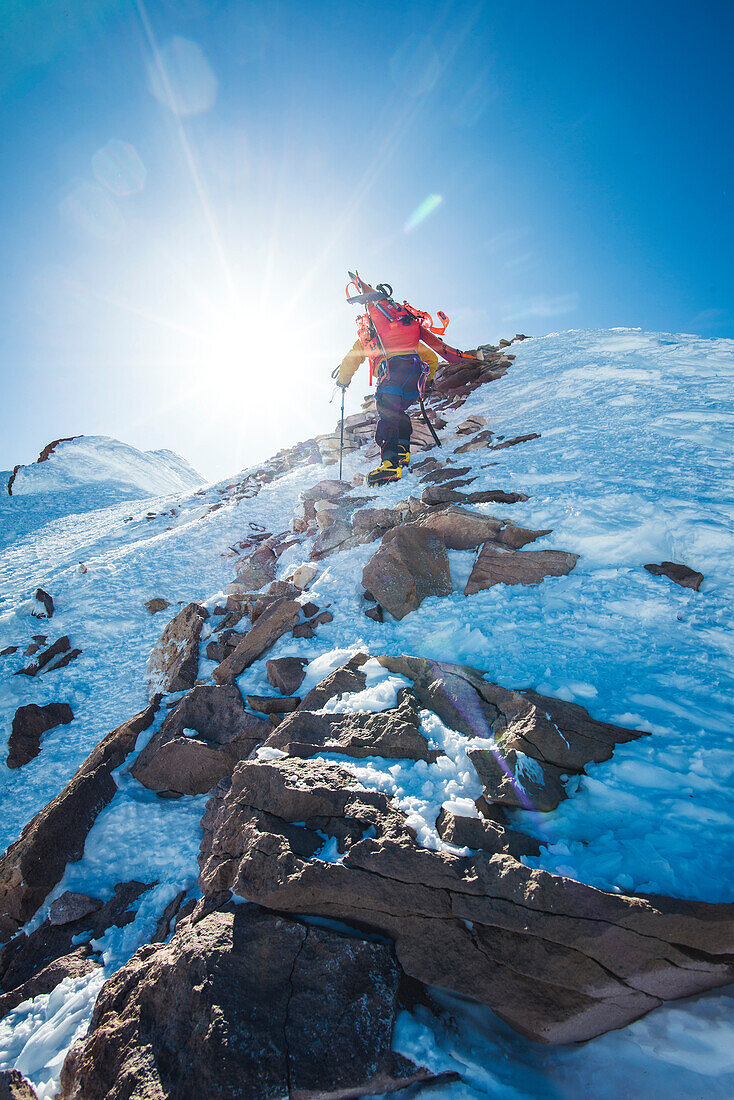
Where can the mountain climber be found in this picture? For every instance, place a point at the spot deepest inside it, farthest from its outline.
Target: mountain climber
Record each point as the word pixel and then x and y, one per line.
pixel 401 343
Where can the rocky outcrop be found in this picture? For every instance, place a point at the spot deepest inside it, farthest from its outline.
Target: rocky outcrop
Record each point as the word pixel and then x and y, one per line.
pixel 680 574
pixel 276 620
pixel 286 674
pixel 410 565
pixel 199 742
pixel 13 1085
pixel 257 570
pixel 174 663
pixel 58 655
pixel 559 961
pixel 497 565
pixel 449 494
pixel 394 733
pixel 34 863
pixel 29 724
pixel 43 604
pixel 157 604
pixel 35 963
pixel 245 1004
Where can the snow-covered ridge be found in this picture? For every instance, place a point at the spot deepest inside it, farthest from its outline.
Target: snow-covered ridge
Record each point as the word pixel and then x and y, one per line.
pixel 100 462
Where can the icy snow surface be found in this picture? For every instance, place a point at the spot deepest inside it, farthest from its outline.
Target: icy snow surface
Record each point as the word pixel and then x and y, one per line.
pixel 634 465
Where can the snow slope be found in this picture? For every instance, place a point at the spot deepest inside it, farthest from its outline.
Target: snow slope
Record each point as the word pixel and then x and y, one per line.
pixel 634 465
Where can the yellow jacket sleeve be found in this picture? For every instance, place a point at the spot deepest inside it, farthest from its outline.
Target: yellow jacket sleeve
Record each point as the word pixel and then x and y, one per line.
pixel 348 366
pixel 429 358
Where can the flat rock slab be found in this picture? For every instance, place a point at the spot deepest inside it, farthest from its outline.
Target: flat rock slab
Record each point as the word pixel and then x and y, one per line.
pixel 29 724
pixel 410 565
pixel 200 742
pixel 559 961
pixel 449 494
pixel 464 529
pixel 174 663
pixel 277 619
pixel 34 863
pixel 496 565
pixel 273 704
pixel 681 574
pixel 245 1004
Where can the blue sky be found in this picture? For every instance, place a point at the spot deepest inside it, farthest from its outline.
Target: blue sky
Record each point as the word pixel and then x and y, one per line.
pixel 183 185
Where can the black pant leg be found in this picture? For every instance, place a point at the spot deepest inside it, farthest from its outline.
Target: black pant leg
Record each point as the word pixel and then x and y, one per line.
pixel 390 424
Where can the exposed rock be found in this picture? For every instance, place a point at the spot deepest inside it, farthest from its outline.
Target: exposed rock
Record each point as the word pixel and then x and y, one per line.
pixel 283 588
pixel 70 907
pixel 477 443
pixel 257 570
pixel 280 617
pixel 410 565
pixel 375 613
pixel 157 604
pixel 303 576
pixel 8 650
pixel 200 742
pixel 394 733
pixel 13 1085
pixel 286 674
pixel 515 440
pixel 321 619
pixel 275 1008
pixel 462 529
pixel 681 574
pixel 471 424
pixel 36 963
pixel 447 494
pixel 174 663
pixel 367 520
pixel 342 681
pixel 331 539
pixel 488 836
pixel 497 565
pixel 269 704
pixel 34 863
pixel 29 724
pixel 445 473
pixel 62 661
pixel 328 489
pixel 49 658
pixel 303 630
pixel 559 961
pixel 537 738
pixel 43 605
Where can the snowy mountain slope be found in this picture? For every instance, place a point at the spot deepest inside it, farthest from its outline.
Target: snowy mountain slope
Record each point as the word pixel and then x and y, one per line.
pixel 634 465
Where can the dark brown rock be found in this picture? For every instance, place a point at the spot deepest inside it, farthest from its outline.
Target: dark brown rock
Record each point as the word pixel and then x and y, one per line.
pixel 515 440
pixel 410 565
pixel 70 907
pixel 344 680
pixel 8 650
pixel 13 1085
pixel 269 704
pixel 304 630
pixel 44 608
pixel 328 489
pixel 559 961
pixel 36 963
pixel 484 835
pixel 258 569
pixel 444 494
pixel 49 656
pixel 497 565
pixel 375 613
pixel 280 617
pixel 462 529
pixel 29 724
pixel 174 663
pixel 34 863
pixel 157 604
pixel 62 661
pixel 445 473
pixel 681 574
pixel 275 1008
pixel 286 674
pixel 477 442
pixel 200 742
pixel 394 734
pixel 331 539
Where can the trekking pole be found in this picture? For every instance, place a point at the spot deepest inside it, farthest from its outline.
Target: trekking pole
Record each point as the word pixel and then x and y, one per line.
pixel 335 375
pixel 341 438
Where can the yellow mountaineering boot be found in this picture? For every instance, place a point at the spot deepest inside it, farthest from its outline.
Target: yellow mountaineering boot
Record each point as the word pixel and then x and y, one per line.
pixel 403 455
pixel 386 472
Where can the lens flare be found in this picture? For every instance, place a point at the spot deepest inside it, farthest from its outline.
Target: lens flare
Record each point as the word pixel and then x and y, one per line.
pixel 426 208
